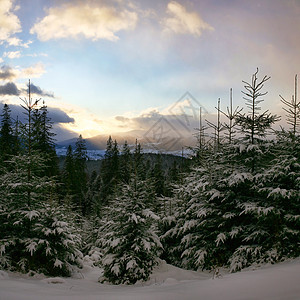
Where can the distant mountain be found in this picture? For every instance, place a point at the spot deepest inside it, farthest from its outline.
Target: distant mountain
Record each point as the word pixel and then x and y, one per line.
pixel 148 142
pixel 99 142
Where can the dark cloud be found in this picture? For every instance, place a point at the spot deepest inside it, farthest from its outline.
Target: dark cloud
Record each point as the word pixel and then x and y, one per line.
pixel 59 116
pixel 121 119
pixel 9 89
pixel 56 115
pixel 12 90
pixel 38 91
pixel 62 133
pixel 6 73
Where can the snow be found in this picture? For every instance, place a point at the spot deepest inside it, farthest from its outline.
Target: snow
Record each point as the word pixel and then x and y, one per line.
pixel 31 247
pixel 220 238
pixel 54 280
pixel 280 281
pixel 58 263
pixel 3 275
pixel 91 154
pixel 99 154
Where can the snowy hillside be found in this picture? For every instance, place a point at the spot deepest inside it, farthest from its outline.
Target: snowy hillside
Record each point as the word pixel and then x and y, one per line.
pixel 99 154
pixel 91 154
pixel 276 282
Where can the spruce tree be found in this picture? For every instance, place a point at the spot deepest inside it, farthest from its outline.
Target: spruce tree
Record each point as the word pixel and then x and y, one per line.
pixel 292 109
pixel 109 172
pixel 227 212
pixel 7 139
pixel 131 246
pixel 273 233
pixel 139 167
pixel 68 175
pixel 43 138
pixel 80 175
pixel 255 124
pixel 125 163
pixel 34 234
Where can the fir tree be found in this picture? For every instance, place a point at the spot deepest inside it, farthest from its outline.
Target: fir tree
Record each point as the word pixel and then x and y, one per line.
pixel 130 243
pixel 125 164
pixel 68 175
pixel 7 139
pixel 225 211
pixel 110 170
pixel 27 201
pixel 292 109
pixel 80 175
pixel 158 176
pixel 138 162
pixel 255 124
pixel 91 197
pixel 43 139
pixel 231 115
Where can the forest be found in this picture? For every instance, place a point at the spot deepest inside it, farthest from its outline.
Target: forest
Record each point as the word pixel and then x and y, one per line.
pixel 234 203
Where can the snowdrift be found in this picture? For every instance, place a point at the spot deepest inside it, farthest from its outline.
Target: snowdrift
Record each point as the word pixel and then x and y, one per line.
pixel 276 282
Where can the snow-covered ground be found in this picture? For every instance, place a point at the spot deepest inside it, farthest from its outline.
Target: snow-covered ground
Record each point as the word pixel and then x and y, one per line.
pixel 92 154
pixel 281 281
pixel 99 154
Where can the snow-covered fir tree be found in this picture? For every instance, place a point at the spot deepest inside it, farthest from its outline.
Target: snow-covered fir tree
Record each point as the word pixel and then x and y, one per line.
pixel 131 246
pixel 7 139
pixel 238 207
pixel 35 233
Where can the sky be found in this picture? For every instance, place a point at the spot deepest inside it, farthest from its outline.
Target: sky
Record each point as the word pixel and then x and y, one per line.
pixel 126 65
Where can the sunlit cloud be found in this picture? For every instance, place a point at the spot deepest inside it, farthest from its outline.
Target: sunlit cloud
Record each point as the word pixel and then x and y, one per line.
pixel 34 71
pixel 14 41
pixel 84 122
pixel 8 73
pixel 9 22
pixel 84 20
pixel 12 54
pixel 182 21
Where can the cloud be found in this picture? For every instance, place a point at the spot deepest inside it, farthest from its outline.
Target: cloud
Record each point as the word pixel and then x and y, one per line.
pixel 158 130
pixel 56 115
pixel 9 89
pixel 59 116
pixel 90 21
pixel 62 133
pixel 38 91
pixel 7 73
pixel 183 22
pixel 122 119
pixel 37 54
pixel 9 22
pixel 14 41
pixel 34 71
pixel 12 54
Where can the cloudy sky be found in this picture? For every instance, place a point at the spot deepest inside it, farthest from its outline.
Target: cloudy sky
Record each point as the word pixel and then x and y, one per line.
pixel 109 66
